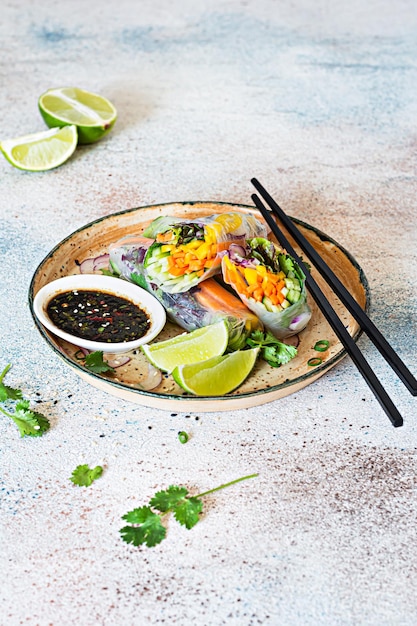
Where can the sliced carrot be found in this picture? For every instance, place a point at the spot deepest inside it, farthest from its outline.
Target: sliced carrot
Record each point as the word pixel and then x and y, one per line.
pixel 178 271
pixel 258 294
pixel 196 265
pixel 167 236
pixel 273 277
pixel 214 297
pixel 250 289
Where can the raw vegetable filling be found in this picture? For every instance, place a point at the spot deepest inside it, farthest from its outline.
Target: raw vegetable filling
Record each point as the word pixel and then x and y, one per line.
pixel 98 316
pixel 263 275
pixel 270 283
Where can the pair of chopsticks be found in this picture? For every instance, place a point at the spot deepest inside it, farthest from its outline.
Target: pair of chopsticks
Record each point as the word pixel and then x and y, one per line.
pixel 330 314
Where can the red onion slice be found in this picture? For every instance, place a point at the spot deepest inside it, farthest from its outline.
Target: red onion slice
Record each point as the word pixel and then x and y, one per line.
pixel 92 265
pixel 101 262
pixel 87 266
pixel 151 379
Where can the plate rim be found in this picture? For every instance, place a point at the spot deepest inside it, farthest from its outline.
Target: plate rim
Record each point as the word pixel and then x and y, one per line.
pixel 188 399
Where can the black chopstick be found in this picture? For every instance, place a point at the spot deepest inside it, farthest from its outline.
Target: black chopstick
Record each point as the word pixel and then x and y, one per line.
pixel 337 325
pixel 343 294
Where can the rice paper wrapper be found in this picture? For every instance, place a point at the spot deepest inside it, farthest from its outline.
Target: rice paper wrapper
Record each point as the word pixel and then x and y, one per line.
pixel 252 268
pixel 284 323
pixel 185 253
pixel 127 257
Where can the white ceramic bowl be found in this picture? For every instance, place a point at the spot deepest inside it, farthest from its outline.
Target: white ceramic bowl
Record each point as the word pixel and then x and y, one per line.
pixel 110 284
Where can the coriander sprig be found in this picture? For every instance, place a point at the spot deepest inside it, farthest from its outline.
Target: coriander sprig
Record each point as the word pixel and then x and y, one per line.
pixel 146 525
pixel 273 351
pixel 30 423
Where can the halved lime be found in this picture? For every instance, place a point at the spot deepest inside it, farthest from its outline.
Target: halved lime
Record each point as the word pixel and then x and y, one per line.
pixel 41 151
pixel 192 347
pixel 93 115
pixel 218 375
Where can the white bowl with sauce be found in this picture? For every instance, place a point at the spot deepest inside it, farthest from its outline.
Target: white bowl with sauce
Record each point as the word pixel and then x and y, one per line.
pixel 145 311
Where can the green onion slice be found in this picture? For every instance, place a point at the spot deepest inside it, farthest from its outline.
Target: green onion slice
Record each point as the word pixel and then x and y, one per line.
pixel 182 436
pixel 321 345
pixel 314 361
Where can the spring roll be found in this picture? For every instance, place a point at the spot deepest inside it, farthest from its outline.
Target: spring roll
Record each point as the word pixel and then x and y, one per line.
pixel 270 283
pixel 185 253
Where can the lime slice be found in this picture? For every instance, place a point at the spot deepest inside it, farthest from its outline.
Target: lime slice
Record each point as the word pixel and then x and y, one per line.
pixel 193 347
pixel 41 151
pixel 92 114
pixel 218 375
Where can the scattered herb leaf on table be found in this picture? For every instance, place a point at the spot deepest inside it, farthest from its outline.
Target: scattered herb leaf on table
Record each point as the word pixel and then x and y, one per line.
pixel 146 526
pixel 84 476
pixel 30 423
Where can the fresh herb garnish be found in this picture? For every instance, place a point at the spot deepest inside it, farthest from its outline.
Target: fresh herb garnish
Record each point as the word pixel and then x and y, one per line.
pixel 272 350
pixel 83 476
pixel 146 526
pixel 187 232
pixel 95 363
pixel 30 423
pixel 8 393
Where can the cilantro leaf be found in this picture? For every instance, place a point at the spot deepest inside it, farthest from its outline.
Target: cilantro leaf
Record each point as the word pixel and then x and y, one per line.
pixel 95 363
pixel 83 476
pixel 8 393
pixel 165 500
pixel 29 422
pixel 150 530
pixel 273 351
pixel 176 499
pixel 186 512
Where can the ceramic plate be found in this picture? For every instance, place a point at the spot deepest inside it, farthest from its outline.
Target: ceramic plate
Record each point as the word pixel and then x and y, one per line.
pixel 265 384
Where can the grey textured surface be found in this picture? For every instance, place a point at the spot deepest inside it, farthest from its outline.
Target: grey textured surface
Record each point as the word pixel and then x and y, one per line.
pixel 318 100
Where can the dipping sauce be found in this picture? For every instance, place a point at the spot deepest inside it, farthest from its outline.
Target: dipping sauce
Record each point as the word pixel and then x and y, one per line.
pixel 98 316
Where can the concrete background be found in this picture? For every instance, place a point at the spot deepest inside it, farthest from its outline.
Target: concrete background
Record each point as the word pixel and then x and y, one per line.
pixel 317 100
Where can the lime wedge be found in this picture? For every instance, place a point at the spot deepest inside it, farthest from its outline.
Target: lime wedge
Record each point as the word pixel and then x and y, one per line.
pixel 41 151
pixel 192 347
pixel 218 375
pixel 93 115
